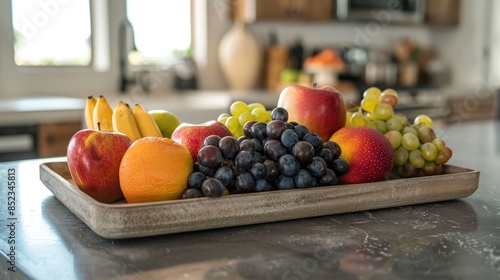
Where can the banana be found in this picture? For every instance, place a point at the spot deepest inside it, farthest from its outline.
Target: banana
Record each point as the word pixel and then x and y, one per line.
pixel 146 123
pixel 89 111
pixel 101 117
pixel 123 121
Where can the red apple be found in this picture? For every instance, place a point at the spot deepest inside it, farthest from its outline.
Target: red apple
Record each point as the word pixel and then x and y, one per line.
pixel 322 110
pixel 193 135
pixel 94 159
pixel 368 153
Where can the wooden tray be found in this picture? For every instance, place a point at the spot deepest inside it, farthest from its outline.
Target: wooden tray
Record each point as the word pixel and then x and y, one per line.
pixel 122 220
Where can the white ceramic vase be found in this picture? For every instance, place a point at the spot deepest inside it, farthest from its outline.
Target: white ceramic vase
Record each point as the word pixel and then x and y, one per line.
pixel 240 57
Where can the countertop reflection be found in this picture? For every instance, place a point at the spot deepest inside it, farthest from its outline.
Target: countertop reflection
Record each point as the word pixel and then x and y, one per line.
pixel 457 239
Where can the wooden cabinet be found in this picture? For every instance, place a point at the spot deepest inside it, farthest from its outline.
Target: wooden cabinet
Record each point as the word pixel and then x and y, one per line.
pixel 282 10
pixel 53 138
pixel 442 13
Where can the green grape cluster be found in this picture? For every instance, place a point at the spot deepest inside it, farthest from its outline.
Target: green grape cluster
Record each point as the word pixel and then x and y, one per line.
pixel 240 113
pixel 417 151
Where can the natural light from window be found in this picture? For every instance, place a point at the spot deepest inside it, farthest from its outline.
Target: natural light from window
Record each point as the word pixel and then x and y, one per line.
pixel 162 30
pixel 52 32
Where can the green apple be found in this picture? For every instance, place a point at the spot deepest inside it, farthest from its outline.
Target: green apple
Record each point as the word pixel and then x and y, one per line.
pixel 167 121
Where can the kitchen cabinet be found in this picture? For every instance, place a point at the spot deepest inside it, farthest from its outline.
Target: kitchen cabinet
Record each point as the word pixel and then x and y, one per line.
pixel 53 138
pixel 442 13
pixel 282 10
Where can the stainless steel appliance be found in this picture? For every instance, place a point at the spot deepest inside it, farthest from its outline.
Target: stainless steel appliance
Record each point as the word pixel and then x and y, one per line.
pixel 384 11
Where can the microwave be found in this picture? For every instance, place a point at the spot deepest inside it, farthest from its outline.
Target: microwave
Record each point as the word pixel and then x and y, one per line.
pixel 406 11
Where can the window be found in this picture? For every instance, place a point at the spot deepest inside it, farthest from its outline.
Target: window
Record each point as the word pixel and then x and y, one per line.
pixel 51 32
pixel 162 30
pixel 58 32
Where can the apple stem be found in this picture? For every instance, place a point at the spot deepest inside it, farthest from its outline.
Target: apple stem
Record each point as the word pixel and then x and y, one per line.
pixel 99 126
pixel 314 85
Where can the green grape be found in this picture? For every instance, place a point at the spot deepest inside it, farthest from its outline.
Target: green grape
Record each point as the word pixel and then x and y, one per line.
pixel 381 126
pixel 348 116
pixel 232 124
pixel 238 107
pixel 238 131
pixel 423 119
pixel 409 129
pixel 383 111
pixel 372 92
pixel 400 156
pixel 416 159
pixel 390 97
pixel 410 141
pixel 429 168
pixel 407 170
pixel 443 156
pixel 268 116
pixel 439 143
pixel 371 124
pixel 223 117
pixel 252 106
pixel 439 169
pixel 371 116
pixel 406 121
pixel 429 151
pixel 394 138
pixel 426 134
pixel 259 114
pixel 244 118
pixel 394 123
pixel 357 119
pixel 369 104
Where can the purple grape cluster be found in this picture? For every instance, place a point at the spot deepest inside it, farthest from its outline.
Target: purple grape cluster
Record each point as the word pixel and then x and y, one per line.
pixel 278 155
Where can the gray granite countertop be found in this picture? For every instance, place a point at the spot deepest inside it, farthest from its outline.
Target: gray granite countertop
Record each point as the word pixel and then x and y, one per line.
pixel 458 239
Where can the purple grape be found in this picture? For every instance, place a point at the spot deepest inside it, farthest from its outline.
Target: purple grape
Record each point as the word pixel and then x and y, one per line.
pixel 289 138
pixel 273 150
pixel 274 129
pixel 244 182
pixel 247 128
pixel 258 131
pixel 258 170
pixel 334 147
pixel 272 170
pixel 262 185
pixel 303 179
pixel 340 166
pixel 244 160
pixel 195 179
pixel 192 193
pixel 210 156
pixel 303 151
pixel 212 140
pixel 329 179
pixel 279 113
pixel 224 174
pixel 314 140
pixel 212 187
pixel 285 183
pixel 229 147
pixel 288 165
pixel 317 166
pixel 301 130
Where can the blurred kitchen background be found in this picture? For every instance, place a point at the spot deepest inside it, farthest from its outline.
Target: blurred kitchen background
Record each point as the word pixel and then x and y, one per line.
pixel 195 57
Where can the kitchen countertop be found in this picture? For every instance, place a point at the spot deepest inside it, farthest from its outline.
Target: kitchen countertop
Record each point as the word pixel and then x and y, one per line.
pixel 457 239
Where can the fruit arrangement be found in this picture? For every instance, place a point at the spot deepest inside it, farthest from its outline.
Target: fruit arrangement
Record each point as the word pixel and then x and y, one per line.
pixel 416 149
pixel 277 155
pixel 308 140
pixel 241 113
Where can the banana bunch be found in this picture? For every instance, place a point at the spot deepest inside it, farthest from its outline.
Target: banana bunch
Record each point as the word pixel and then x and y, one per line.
pixel 135 123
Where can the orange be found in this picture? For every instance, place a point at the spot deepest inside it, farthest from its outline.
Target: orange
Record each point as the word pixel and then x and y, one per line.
pixel 154 169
